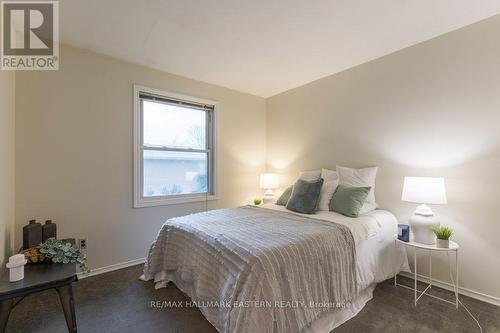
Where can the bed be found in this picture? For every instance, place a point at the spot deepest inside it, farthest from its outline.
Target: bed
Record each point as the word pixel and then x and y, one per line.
pixel 266 269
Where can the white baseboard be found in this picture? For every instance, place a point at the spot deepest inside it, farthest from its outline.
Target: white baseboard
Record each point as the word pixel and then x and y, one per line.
pixel 110 268
pixel 462 291
pixel 445 285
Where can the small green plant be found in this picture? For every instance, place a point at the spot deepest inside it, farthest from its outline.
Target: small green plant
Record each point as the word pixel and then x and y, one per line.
pixel 257 201
pixel 442 232
pixel 64 253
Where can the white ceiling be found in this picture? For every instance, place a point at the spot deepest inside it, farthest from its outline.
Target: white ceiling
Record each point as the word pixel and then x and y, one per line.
pixel 257 46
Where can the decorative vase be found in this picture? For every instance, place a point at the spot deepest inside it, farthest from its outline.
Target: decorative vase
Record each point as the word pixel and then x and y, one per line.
pixel 32 234
pixel 49 230
pixel 443 243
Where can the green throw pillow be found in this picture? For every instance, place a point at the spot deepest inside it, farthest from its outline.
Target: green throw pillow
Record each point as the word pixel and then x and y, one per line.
pixel 305 196
pixel 283 199
pixel 348 200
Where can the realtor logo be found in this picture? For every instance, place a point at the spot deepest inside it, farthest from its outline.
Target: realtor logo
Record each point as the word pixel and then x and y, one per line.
pixel 30 35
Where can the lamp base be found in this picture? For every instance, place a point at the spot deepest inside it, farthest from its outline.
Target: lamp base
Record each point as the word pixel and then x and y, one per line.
pixel 421 223
pixel 268 196
pixel 269 193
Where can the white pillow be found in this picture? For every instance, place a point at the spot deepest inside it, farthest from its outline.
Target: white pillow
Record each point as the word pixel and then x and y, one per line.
pixel 358 178
pixel 310 175
pixel 326 194
pixel 329 175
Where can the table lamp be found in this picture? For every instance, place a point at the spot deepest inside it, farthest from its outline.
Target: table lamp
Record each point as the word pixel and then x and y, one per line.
pixel 424 190
pixel 269 182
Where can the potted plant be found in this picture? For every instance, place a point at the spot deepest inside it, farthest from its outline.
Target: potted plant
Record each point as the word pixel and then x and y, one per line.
pixel 443 235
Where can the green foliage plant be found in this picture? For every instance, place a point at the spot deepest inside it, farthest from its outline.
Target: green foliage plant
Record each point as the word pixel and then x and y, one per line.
pixel 63 252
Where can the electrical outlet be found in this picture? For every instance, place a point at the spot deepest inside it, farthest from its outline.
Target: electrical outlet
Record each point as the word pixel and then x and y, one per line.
pixel 82 243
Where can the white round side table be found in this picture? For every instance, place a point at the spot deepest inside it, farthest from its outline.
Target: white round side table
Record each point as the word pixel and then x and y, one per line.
pixel 429 249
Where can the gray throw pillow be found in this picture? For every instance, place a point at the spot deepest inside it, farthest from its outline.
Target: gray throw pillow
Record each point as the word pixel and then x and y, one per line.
pixel 283 199
pixel 348 200
pixel 305 196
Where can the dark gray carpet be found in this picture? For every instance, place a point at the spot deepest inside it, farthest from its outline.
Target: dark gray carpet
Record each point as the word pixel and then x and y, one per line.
pixel 119 302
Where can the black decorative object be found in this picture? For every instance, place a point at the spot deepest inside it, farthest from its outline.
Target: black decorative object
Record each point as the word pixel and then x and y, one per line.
pixel 49 230
pixel 32 234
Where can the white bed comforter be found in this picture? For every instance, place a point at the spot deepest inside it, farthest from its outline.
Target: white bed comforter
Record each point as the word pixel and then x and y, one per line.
pixel 265 267
pixel 266 270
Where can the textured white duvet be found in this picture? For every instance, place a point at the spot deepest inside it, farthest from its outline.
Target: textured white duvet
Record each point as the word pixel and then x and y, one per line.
pixel 373 232
pixel 185 264
pixel 363 227
pixel 377 259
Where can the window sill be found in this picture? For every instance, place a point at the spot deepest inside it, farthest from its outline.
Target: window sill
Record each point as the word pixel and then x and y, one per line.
pixel 151 202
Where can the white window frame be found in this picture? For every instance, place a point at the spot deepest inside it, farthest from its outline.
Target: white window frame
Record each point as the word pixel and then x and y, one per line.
pixel 139 199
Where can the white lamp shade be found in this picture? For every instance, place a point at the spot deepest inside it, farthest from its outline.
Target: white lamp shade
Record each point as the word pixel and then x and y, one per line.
pixel 269 181
pixel 424 190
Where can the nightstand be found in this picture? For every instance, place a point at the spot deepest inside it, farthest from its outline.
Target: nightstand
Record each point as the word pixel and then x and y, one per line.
pixel 429 249
pixel 39 277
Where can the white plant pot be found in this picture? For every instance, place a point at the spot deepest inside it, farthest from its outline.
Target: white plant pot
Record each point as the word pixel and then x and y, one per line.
pixel 442 243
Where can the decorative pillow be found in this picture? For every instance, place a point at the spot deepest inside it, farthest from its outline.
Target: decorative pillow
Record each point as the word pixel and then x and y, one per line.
pixel 348 200
pixel 304 175
pixel 360 178
pixel 326 194
pixel 310 175
pixel 305 196
pixel 329 175
pixel 283 199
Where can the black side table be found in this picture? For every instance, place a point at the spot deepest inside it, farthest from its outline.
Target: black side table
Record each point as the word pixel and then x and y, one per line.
pixel 38 278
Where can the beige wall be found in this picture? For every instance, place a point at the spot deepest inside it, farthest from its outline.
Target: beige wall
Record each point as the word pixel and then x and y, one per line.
pixel 430 110
pixel 74 152
pixel 7 117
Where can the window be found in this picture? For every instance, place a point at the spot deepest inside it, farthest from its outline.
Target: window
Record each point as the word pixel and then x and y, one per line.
pixel 174 138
